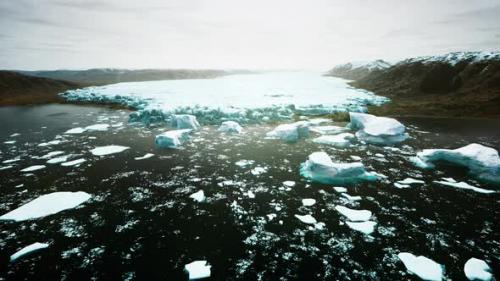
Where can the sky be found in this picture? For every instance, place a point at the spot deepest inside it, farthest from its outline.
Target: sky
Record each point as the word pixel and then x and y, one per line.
pixel 237 34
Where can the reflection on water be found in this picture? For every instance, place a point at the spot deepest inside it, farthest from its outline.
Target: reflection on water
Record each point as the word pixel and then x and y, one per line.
pixel 141 224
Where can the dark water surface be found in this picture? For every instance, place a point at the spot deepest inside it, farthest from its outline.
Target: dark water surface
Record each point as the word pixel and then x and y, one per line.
pixel 141 224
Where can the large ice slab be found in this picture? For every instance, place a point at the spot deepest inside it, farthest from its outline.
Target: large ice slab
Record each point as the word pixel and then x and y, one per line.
pixel 198 270
pixel 230 127
pixel 108 149
pixel 483 162
pixel 27 250
pixel 185 121
pixel 173 138
pixel 290 132
pixel 377 130
pixel 245 98
pixel 365 227
pixel 319 167
pixel 354 215
pixel 421 266
pixel 47 204
pixel 476 269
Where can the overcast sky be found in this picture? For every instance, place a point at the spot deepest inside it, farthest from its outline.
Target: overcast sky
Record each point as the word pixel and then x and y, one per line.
pixel 253 34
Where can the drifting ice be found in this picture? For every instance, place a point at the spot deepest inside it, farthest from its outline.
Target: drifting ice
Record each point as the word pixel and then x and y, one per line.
pixel 476 269
pixel 290 132
pixel 421 266
pixel 185 121
pixel 366 227
pixel 33 168
pixel 307 219
pixel 28 249
pixel 230 127
pixel 320 168
pixel 377 130
pixel 198 270
pixel 340 140
pixel 354 215
pixel 108 149
pixel 172 139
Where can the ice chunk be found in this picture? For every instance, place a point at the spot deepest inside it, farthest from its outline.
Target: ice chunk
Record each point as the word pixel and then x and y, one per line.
pixel 351 198
pixel 308 202
pixel 12 160
pixel 421 266
pixel 482 161
pixel 340 140
pixel 464 185
pixel 409 181
pixel 28 249
pixel 97 127
pixel 476 269
pixel 146 156
pixel 340 189
pixel 51 154
pixel 230 127
pixel 258 170
pixel 198 269
pixel 33 168
pixel 198 196
pixel 77 130
pixel 328 130
pixel 172 139
pixel 185 121
pixel 320 168
pixel 307 219
pixel 290 132
pixel 366 227
pixel 289 183
pixel 377 130
pixel 108 149
pixel 74 162
pixel 354 215
pixel 243 163
pixel 47 204
pixel 58 159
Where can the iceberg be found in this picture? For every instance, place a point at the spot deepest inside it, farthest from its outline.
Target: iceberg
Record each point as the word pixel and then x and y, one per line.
pixel 230 127
pixel 319 167
pixel 173 138
pixel 185 121
pixel 483 162
pixel 198 196
pixel 47 204
pixel 377 130
pixel 341 140
pixel 108 149
pixel 27 250
pixel 198 269
pixel 290 132
pixel 476 269
pixel 354 215
pixel 366 227
pixel 33 168
pixel 421 266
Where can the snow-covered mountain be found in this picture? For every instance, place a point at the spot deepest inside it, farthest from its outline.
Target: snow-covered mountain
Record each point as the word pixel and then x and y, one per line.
pixel 456 57
pixel 357 70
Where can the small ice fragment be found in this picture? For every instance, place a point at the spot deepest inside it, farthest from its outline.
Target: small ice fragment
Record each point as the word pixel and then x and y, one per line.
pixel 58 159
pixel 198 269
pixel 230 127
pixel 308 202
pixel 421 266
pixel 464 185
pixel 33 168
pixel 243 163
pixel 77 130
pixel 250 194
pixel 198 196
pixel 108 149
pixel 258 170
pixel 366 227
pixel 354 215
pixel 10 142
pixel 5 167
pixel 476 269
pixel 308 219
pixel 12 160
pixel 28 249
pixel 173 138
pixel 341 140
pixel 51 154
pixel 355 158
pixel 290 132
pixel 289 183
pixel 97 127
pixel 185 121
pixel 398 185
pixel 340 189
pixel 410 181
pixel 73 163
pixel 351 198
pixel 146 156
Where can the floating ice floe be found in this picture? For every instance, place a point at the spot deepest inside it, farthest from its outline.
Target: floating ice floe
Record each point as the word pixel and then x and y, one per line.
pixel 351 198
pixel 307 219
pixel 464 185
pixel 366 227
pixel 10 142
pixel 308 202
pixel 173 138
pixel 108 149
pixel 230 127
pixel 198 270
pixel 6 167
pixel 341 140
pixel 320 168
pixel 289 183
pixel 483 162
pixel 97 127
pixel 328 130
pixel 33 168
pixel 407 182
pixel 51 154
pixel 27 250
pixel 421 266
pixel 146 156
pixel 77 130
pixel 377 130
pixel 47 204
pixel 52 142
pixel 11 160
pixel 290 132
pixel 476 269
pixel 185 121
pixel 340 189
pixel 243 163
pixel 198 196
pixel 258 170
pixel 59 159
pixel 354 215
pixel 73 162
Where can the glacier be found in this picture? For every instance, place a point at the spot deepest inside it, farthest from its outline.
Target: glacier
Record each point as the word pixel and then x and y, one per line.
pixel 244 98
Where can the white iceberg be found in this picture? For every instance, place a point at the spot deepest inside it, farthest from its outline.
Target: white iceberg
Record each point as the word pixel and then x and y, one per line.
pixel 341 140
pixel 27 250
pixel 377 130
pixel 198 270
pixel 320 168
pixel 290 132
pixel 146 156
pixel 476 269
pixel 308 202
pixel 108 149
pixel 366 227
pixel 33 168
pixel 483 162
pixel 173 138
pixel 421 266
pixel 230 127
pixel 198 196
pixel 354 215
pixel 307 219
pixel 185 121
pixel 47 204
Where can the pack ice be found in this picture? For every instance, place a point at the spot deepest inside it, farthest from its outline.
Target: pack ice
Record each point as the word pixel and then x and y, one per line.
pixel 319 167
pixel 47 204
pixel 483 162
pixel 290 132
pixel 230 127
pixel 377 130
pixel 173 138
